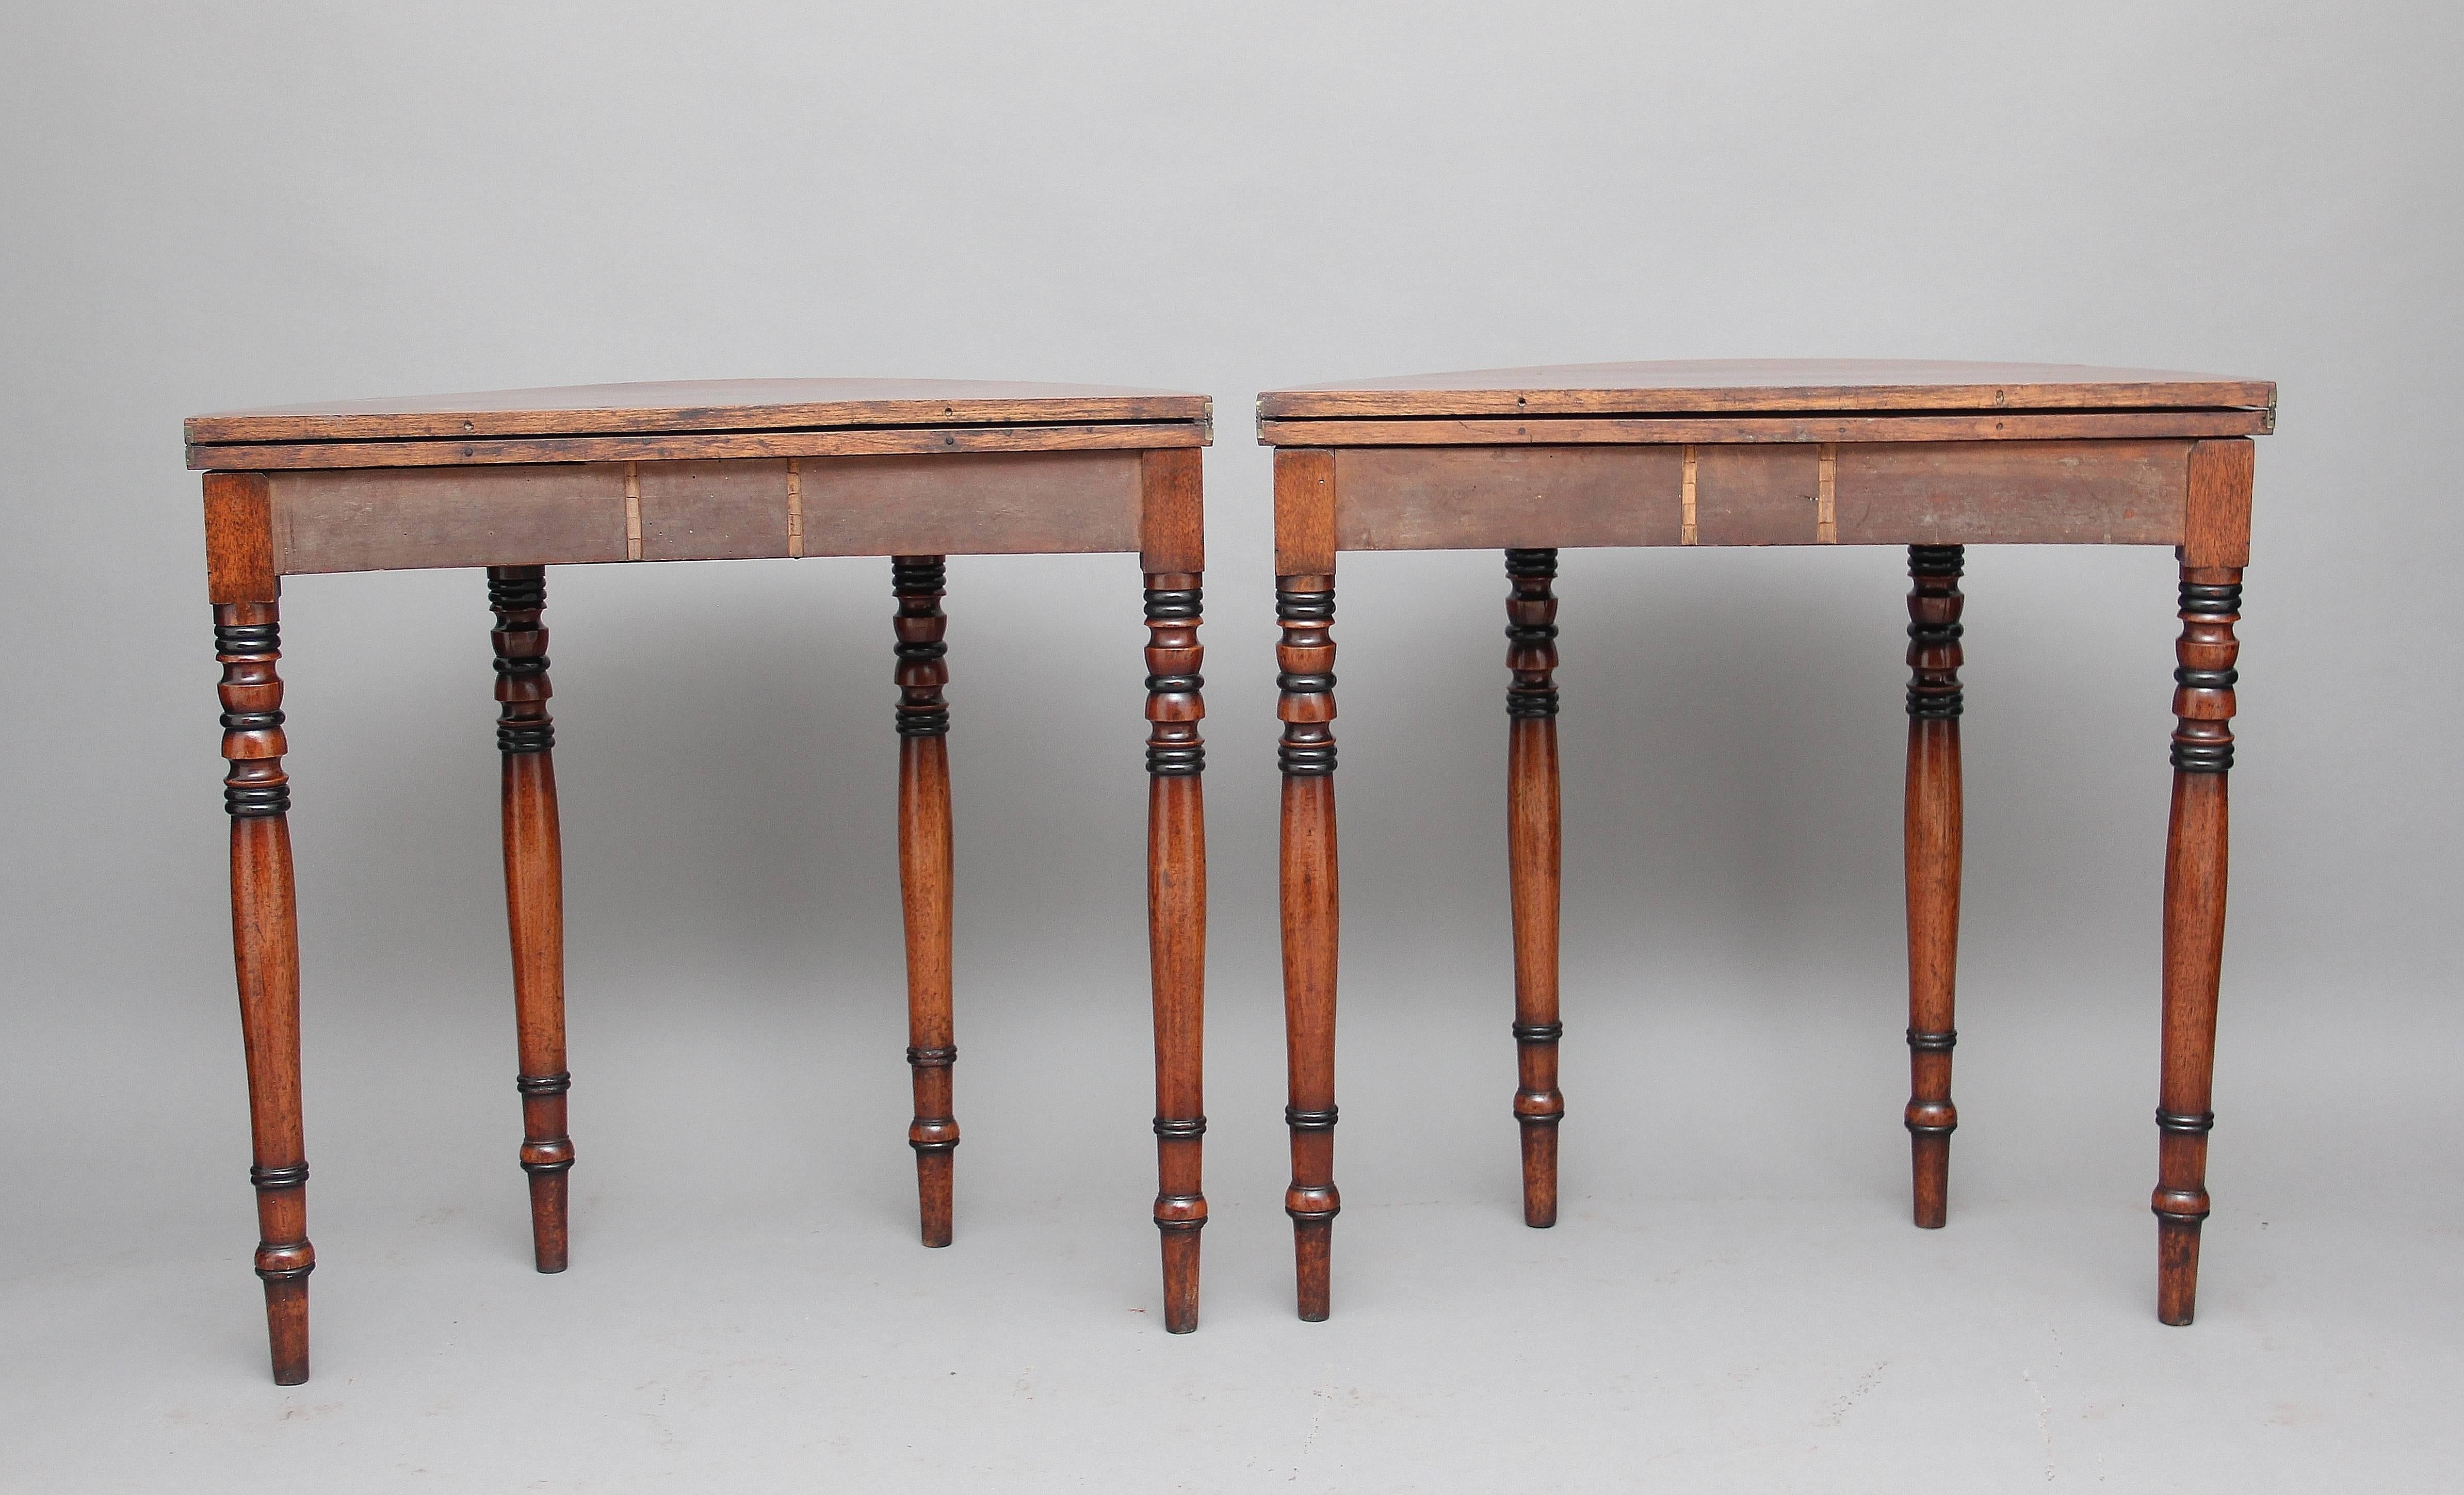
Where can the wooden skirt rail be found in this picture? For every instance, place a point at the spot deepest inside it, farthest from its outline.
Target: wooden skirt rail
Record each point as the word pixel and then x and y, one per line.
pixel 1760 494
pixel 565 514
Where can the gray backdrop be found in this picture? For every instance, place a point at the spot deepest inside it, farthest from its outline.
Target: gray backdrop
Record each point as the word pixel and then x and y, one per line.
pixel 218 207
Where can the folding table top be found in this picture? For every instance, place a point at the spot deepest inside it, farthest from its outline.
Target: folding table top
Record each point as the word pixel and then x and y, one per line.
pixel 1815 399
pixel 701 418
pixel 1698 386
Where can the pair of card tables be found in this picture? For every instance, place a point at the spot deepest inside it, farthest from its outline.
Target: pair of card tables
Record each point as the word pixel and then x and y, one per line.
pixel 1932 456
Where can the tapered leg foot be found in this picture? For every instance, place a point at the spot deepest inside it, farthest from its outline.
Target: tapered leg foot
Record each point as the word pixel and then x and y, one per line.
pixel 548 1216
pixel 1312 1248
pixel 2177 1270
pixel 286 1328
pixel 924 881
pixel 1931 1159
pixel 1180 1278
pixel 1933 840
pixel 1539 1177
pixel 284 1259
pixel 934 1177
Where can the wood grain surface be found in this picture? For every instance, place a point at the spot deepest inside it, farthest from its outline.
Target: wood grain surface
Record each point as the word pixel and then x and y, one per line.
pixel 265 956
pixel 239 538
pixel 714 511
pixel 1883 494
pixel 1536 869
pixel 925 878
pixel 534 897
pixel 1801 428
pixel 2215 532
pixel 1498 499
pixel 1177 905
pixel 281 457
pixel 1757 495
pixel 382 519
pixel 717 405
pixel 1017 503
pixel 396 518
pixel 1803 385
pixel 2196 857
pixel 2088 493
pixel 1171 525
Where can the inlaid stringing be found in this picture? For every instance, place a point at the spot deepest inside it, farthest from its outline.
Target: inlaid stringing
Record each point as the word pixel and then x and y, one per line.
pixel 632 511
pixel 1689 533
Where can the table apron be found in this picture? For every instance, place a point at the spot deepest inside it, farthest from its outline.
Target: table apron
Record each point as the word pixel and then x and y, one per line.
pixel 564 514
pixel 2131 492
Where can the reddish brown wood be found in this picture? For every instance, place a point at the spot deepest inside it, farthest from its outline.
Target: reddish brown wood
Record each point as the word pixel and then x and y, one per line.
pixel 2216 530
pixel 1932 836
pixel 1728 430
pixel 1305 510
pixel 1305 609
pixel 383 519
pixel 914 470
pixel 1484 498
pixel 239 538
pixel 1983 493
pixel 2195 856
pixel 1934 457
pixel 924 879
pixel 1891 492
pixel 1783 384
pixel 265 948
pixel 1756 495
pixel 888 441
pixel 1177 926
pixel 1171 521
pixel 1534 862
pixel 1013 503
pixel 707 405
pixel 534 896
pixel 713 511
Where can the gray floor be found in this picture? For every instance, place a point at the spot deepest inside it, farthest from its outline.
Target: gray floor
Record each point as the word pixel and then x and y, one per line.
pixel 1733 1297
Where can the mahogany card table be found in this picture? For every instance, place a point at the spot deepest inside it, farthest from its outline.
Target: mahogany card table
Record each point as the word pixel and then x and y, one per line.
pixel 1932 456
pixel 518 481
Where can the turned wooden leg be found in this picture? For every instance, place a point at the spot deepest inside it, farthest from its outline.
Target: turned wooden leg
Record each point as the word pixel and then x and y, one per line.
pixel 534 896
pixel 1177 928
pixel 1305 607
pixel 2194 924
pixel 265 948
pixel 1534 860
pixel 924 878
pixel 1932 829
